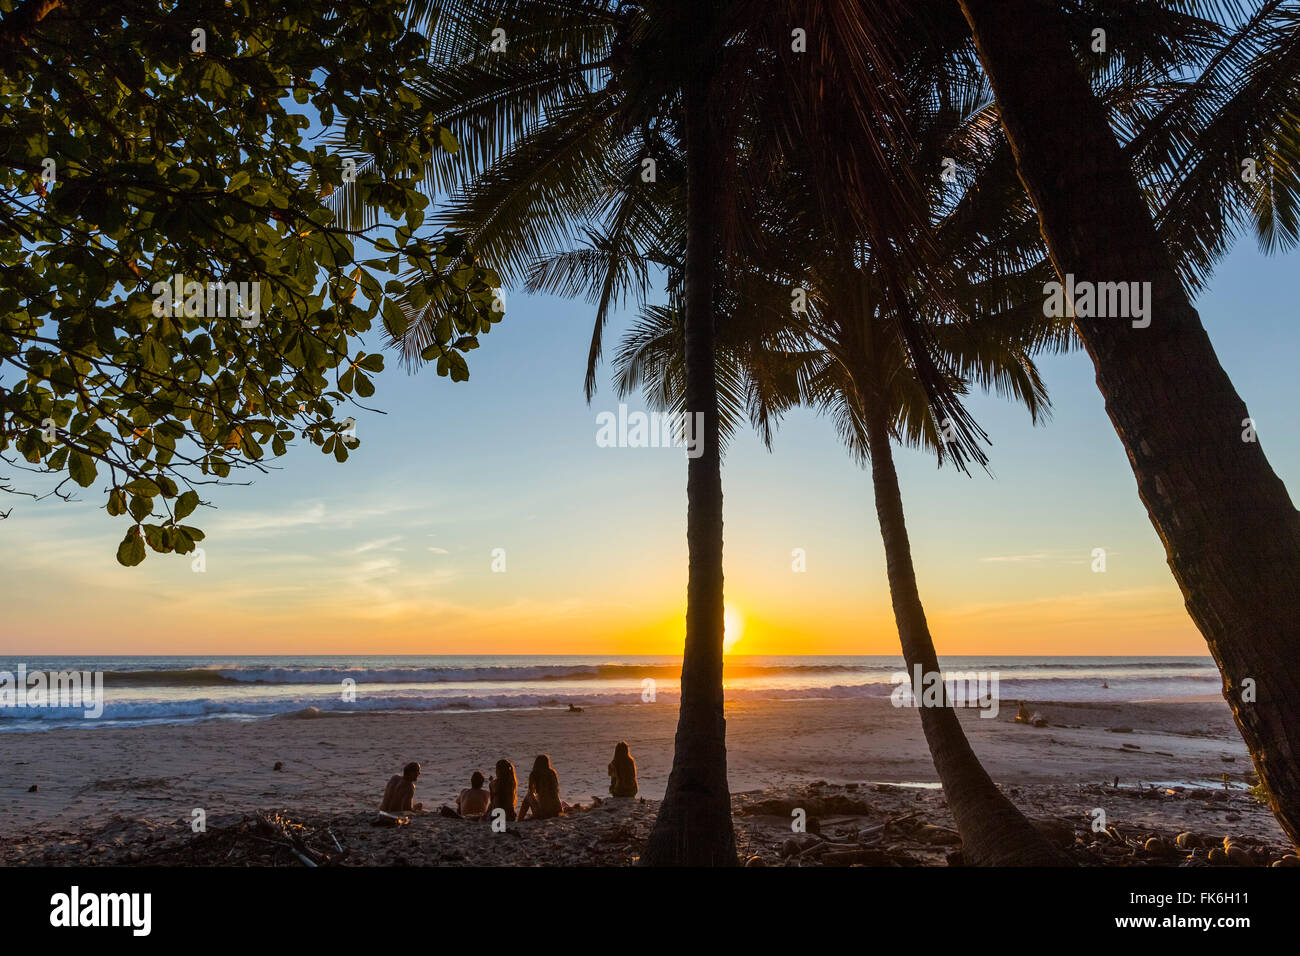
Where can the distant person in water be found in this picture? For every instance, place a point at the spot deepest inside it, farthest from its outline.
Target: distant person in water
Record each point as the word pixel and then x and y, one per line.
pixel 502 788
pixel 473 803
pixel 622 772
pixel 399 795
pixel 543 797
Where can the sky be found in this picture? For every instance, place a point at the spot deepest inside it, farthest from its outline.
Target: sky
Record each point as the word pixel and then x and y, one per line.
pixel 393 552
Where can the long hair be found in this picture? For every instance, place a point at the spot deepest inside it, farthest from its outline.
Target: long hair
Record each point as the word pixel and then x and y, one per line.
pixel 505 786
pixel 542 779
pixel 623 762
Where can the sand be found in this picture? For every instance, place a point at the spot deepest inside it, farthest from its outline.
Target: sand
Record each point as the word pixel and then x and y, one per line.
pixel 106 793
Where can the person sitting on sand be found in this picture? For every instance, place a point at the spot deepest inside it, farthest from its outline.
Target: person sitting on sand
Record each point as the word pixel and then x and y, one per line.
pixel 543 797
pixel 1023 716
pixel 622 772
pixel 473 803
pixel 502 788
pixel 399 795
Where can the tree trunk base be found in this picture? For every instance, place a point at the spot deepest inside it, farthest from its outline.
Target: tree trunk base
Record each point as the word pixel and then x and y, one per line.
pixel 693 829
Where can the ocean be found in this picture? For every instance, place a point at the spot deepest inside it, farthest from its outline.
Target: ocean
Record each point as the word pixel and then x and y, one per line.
pixel 152 690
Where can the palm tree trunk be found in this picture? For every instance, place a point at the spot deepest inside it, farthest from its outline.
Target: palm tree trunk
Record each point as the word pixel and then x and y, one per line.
pixel 993 831
pixel 694 823
pixel 1230 531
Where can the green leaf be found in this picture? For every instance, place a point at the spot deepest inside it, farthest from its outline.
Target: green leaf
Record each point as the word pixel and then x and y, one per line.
pixel 394 319
pixel 116 502
pixel 82 468
pixel 458 367
pixel 153 536
pixel 143 486
pixel 185 504
pixel 140 508
pixel 131 551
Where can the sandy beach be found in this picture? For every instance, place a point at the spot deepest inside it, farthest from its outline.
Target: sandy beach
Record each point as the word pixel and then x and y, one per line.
pixel 127 794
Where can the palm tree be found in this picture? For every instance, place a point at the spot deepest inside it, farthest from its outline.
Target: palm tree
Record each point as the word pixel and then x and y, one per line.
pixel 557 124
pixel 557 102
pixel 872 396
pixel 848 357
pixel 1230 530
pixel 554 133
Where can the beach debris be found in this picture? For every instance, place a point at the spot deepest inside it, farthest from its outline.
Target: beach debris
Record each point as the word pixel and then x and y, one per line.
pixel 799 843
pixel 1235 853
pixel 1120 730
pixel 1155 846
pixel 33 788
pixel 897 830
pixel 867 856
pixel 938 836
pixel 278 766
pixel 878 831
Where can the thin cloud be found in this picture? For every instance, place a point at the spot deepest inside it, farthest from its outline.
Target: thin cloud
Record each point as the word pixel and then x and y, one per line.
pixel 376 545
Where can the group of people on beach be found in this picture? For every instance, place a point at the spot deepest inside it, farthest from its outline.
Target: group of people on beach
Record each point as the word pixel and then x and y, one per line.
pixel 541 800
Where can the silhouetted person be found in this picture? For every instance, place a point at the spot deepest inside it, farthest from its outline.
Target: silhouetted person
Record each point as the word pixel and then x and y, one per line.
pixel 543 797
pixel 622 772
pixel 399 795
pixel 473 803
pixel 502 787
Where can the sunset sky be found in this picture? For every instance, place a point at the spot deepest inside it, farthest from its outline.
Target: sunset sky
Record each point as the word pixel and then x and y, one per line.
pixel 392 551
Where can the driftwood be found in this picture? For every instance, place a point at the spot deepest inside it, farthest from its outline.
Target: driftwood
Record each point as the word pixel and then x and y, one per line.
pixel 281 832
pixel 880 829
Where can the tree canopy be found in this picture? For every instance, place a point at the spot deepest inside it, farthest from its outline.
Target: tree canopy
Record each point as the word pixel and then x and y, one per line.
pixel 176 300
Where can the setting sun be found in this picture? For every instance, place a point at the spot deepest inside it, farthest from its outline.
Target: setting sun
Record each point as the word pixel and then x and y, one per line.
pixel 733 628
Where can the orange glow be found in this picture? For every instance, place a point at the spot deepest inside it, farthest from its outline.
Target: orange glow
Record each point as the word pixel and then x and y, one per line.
pixel 733 628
